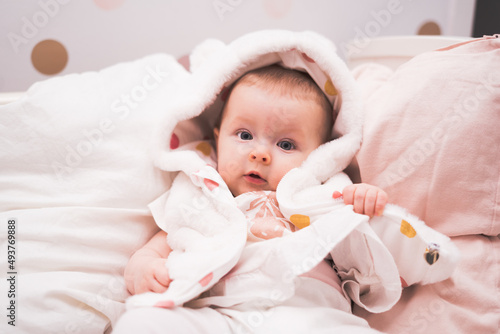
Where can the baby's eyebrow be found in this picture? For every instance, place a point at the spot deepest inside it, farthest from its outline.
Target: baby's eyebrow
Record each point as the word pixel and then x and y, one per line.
pixel 241 119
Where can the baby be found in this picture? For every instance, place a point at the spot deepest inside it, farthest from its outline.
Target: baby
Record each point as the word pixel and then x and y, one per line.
pixel 273 119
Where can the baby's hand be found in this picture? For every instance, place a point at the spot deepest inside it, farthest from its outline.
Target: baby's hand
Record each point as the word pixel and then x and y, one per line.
pixel 365 198
pixel 147 274
pixel 146 270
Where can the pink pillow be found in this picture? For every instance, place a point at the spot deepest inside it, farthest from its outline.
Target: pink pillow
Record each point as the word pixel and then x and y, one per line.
pixel 432 141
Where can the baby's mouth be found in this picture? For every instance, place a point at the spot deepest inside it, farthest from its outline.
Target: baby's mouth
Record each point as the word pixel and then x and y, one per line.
pixel 255 178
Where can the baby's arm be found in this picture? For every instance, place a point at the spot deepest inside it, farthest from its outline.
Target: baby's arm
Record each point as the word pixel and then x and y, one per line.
pixel 365 198
pixel 146 269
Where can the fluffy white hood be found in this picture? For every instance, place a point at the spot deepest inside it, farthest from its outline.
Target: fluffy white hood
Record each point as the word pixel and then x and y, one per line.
pixel 214 66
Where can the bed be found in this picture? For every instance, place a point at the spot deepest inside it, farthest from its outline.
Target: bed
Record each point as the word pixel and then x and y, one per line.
pixel 78 174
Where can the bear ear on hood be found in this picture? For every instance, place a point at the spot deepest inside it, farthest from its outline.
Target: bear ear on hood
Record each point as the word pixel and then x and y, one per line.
pixel 204 51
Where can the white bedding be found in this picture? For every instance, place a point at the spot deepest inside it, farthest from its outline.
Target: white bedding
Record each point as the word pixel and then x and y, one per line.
pixel 77 175
pixel 78 184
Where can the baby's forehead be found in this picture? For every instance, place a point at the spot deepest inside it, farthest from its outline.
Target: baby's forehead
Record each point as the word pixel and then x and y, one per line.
pixel 280 89
pixel 278 109
pixel 279 86
pixel 291 84
pixel 297 93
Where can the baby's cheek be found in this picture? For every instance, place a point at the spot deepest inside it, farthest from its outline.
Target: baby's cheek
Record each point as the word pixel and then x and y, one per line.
pixel 273 182
pixel 227 168
pixel 228 179
pixel 283 170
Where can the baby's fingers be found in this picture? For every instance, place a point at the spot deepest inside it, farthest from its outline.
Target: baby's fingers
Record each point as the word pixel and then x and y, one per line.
pixel 348 194
pixel 161 275
pixel 382 199
pixel 370 203
pixel 365 199
pixel 359 199
pixel 157 287
pixel 146 285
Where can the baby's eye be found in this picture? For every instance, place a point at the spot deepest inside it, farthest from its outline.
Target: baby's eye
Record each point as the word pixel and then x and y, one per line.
pixel 244 135
pixel 286 145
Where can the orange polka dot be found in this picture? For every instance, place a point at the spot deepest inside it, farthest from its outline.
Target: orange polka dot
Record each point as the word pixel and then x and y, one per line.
pixel 330 88
pixel 49 57
pixel 407 229
pixel 300 221
pixel 204 148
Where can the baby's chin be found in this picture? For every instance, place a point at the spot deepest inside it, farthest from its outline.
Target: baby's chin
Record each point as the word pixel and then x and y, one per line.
pixel 246 189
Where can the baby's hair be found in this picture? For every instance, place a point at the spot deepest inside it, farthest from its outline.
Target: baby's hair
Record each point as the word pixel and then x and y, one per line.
pixel 285 81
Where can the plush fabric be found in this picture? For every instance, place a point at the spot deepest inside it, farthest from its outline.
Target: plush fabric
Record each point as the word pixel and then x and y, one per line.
pixel 206 244
pixel 77 175
pixel 431 140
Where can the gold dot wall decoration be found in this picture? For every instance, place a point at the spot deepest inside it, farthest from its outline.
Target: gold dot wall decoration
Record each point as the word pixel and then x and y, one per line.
pixel 277 9
pixel 108 4
pixel 429 28
pixel 49 57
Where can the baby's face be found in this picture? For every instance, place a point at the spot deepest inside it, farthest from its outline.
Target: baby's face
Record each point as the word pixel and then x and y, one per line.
pixel 263 136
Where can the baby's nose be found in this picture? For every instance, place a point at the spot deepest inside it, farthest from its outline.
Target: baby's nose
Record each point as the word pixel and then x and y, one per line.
pixel 260 156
